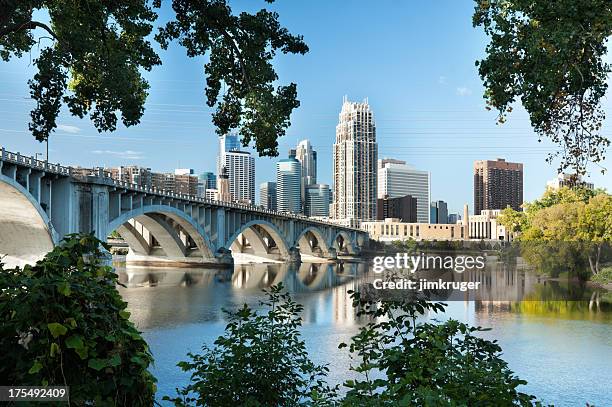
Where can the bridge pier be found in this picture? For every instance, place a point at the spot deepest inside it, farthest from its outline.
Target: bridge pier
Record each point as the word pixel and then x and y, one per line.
pixel 294 255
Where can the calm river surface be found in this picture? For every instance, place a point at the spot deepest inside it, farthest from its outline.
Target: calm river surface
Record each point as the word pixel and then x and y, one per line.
pixel 562 348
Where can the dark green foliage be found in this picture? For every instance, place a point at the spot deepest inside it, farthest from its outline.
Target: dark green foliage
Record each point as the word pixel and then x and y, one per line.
pixel 63 322
pixel 260 361
pixel 240 49
pixel 550 56
pixel 91 59
pixel 405 364
pixel 93 54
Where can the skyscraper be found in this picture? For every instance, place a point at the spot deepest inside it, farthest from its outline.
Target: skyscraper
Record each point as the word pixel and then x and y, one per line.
pixel 497 184
pixel 240 166
pixel 403 208
pixel 206 180
pixel 316 200
pixel 438 212
pixel 308 159
pixel 229 142
pixel 288 184
pixel 396 179
pixel 267 195
pixel 223 184
pixel 355 154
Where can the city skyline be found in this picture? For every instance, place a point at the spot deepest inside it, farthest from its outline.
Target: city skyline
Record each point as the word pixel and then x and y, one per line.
pixel 430 115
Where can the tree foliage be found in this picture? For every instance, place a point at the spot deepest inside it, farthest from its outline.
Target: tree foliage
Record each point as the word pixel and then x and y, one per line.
pixel 94 53
pixel 403 363
pixel 65 324
pixel 241 49
pixel 550 56
pixel 259 361
pixel 92 56
pixel 564 229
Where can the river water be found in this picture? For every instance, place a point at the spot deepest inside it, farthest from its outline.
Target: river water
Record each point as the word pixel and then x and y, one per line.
pixel 562 348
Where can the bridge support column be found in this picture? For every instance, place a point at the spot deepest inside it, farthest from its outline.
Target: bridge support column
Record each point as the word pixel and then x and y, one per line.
pixel 294 255
pixel 333 254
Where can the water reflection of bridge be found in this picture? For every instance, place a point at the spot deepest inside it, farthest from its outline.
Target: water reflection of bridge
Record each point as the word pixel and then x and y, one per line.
pixel 160 297
pixel 301 277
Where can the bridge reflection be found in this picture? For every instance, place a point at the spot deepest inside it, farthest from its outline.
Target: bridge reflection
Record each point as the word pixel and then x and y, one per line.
pixel 301 277
pixel 166 297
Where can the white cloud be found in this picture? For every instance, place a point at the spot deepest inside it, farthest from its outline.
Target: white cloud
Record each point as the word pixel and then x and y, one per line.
pixel 128 154
pixel 68 129
pixel 463 91
pixel 442 80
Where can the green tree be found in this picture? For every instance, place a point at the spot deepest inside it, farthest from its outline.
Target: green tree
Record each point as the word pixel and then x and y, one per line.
pixel 259 361
pixel 65 324
pixel 241 49
pixel 403 363
pixel 93 54
pixel 550 56
pixel 594 226
pixel 514 221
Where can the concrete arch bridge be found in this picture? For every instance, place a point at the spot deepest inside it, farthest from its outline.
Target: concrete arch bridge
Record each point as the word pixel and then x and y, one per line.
pixel 40 203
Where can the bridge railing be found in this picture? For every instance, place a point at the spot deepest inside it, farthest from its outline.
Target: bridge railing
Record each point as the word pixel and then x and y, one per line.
pixel 18 158
pixel 80 172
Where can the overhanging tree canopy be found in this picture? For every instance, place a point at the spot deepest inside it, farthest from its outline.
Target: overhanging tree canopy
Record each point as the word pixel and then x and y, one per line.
pixel 550 56
pixel 93 54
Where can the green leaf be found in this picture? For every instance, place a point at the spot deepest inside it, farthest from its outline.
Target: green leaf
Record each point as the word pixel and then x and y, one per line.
pixel 64 288
pixel 74 342
pixel 55 349
pixel 96 364
pixel 35 367
pixel 114 361
pixel 57 329
pixel 124 314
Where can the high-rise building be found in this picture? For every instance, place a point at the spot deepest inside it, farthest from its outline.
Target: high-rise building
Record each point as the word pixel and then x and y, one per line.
pixel 454 218
pixel 288 184
pixel 267 195
pixel 223 187
pixel 396 179
pixel 497 185
pixel 229 142
pixel 403 208
pixel 240 167
pixel 307 157
pixel 316 200
pixel 185 182
pixel 568 180
pixel 355 154
pixel 438 212
pixel 206 180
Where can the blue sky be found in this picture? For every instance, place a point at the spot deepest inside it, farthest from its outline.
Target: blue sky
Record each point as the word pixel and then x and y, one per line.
pixel 414 60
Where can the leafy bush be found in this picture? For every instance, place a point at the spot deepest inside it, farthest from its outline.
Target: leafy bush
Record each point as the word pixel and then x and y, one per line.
pixel 64 323
pixel 260 361
pixel 604 276
pixel 426 364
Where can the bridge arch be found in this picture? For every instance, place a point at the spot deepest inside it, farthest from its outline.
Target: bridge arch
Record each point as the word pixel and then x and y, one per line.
pixel 269 228
pixel 26 234
pixel 151 217
pixel 320 240
pixel 342 242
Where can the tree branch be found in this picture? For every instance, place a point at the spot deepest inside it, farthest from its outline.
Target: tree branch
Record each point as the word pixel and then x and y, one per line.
pixel 27 25
pixel 238 54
